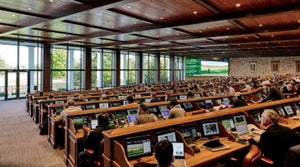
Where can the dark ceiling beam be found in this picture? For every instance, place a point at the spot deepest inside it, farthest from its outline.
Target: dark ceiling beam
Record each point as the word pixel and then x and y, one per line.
pixel 208 6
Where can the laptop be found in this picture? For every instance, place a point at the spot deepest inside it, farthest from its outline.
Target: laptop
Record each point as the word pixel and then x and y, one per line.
pixel 131 118
pixel 94 124
pixel 243 129
pixel 179 154
pixel 215 145
pixel 165 113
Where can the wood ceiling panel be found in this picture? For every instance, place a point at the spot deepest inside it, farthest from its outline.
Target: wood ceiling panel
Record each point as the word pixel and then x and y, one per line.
pixel 41 7
pixel 165 11
pixel 216 27
pixel 68 28
pixel 108 20
pixel 123 37
pixel 18 19
pixel 230 6
pixel 270 21
pixel 281 35
pixel 235 38
pixel 162 33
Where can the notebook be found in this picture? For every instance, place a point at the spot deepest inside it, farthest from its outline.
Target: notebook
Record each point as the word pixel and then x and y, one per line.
pixel 179 154
pixel 215 145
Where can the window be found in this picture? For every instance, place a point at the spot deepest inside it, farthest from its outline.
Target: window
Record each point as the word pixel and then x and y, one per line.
pixel 67 69
pixel 252 66
pixel 165 68
pixel 129 68
pixel 178 68
pixel 103 68
pixel 275 66
pixel 149 68
pixel 297 66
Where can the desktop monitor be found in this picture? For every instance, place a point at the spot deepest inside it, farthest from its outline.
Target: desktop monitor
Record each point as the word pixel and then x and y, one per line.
pixel 189 131
pixel 288 109
pixel 197 95
pixel 239 118
pixel 210 129
pixel 153 110
pixel 181 97
pixel 208 104
pixel 280 111
pixel 148 100
pixel 138 147
pixel 60 102
pixel 137 95
pixel 201 104
pixel 163 107
pixel 103 105
pixel 90 106
pixel 120 114
pixel 167 135
pixel 116 104
pixel 257 116
pixel 178 150
pixel 188 106
pixel 228 123
pixel 133 112
pixel 219 101
pixel 125 103
pixel 58 110
pixel 78 121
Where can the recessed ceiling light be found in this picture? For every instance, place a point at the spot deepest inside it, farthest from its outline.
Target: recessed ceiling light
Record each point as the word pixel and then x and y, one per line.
pixel 29 9
pixel 272 36
pixel 134 22
pixel 177 34
pixel 161 18
pixel 13 15
pixel 195 12
pixel 246 37
pixel 238 5
pixel 227 28
pixel 51 0
pixel 200 31
pixel 112 26
pixel 298 21
pixel 260 25
pixel 129 7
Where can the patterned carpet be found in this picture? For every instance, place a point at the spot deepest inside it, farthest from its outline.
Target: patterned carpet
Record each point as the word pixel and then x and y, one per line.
pixel 20 142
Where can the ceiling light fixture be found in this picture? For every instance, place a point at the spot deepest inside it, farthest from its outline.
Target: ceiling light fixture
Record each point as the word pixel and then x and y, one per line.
pixel 227 28
pixel 161 18
pixel 260 25
pixel 195 12
pixel 238 5
pixel 129 7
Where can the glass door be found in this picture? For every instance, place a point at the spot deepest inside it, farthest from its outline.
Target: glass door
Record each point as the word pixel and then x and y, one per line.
pixel 23 84
pixel 2 85
pixel 11 85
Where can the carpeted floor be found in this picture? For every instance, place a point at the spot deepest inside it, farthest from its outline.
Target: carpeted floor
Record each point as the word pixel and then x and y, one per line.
pixel 20 142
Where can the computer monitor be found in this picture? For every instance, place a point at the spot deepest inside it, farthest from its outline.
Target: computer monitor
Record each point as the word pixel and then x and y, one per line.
pixel 257 116
pixel 103 105
pixel 131 118
pixel 228 123
pixel 78 121
pixel 178 150
pixel 166 135
pixel 280 111
pixel 60 102
pixel 188 131
pixel 90 106
pixel 58 110
pixel 137 95
pixel 148 100
pixel 116 104
pixel 125 102
pixel 153 110
pixel 219 101
pixel 188 105
pixel 208 104
pixel 138 147
pixel 201 104
pixel 197 95
pixel 120 114
pixel 133 111
pixel 239 118
pixel 181 97
pixel 163 107
pixel 210 128
pixel 226 101
pixel 288 109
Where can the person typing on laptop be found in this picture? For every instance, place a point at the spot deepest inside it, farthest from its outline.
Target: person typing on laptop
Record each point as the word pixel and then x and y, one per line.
pixel 176 111
pixel 144 116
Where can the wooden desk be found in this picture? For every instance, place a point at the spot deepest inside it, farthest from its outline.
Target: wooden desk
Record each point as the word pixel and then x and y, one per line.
pixel 204 157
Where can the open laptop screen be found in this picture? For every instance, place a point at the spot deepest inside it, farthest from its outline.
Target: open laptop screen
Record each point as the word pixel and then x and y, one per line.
pixel 178 150
pixel 138 147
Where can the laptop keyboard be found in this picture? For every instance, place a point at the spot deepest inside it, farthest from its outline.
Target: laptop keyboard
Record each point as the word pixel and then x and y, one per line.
pixel 180 162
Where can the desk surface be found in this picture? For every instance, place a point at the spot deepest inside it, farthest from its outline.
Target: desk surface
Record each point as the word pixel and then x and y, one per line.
pixel 205 156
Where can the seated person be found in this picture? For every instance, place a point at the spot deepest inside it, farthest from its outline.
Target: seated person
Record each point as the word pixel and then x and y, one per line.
pixel 144 116
pixel 131 102
pixel 190 95
pixel 175 110
pixel 239 102
pixel 92 141
pixel 81 98
pixel 154 98
pixel 70 108
pixel 273 93
pixel 276 140
pixel 163 154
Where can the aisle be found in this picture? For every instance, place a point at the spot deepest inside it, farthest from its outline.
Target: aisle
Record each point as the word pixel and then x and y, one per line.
pixel 20 142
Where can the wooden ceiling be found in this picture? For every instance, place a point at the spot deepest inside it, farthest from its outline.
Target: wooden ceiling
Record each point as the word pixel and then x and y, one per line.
pixel 223 28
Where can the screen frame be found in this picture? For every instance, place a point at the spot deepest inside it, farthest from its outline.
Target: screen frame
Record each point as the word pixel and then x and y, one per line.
pixel 217 131
pixel 161 134
pixel 137 139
